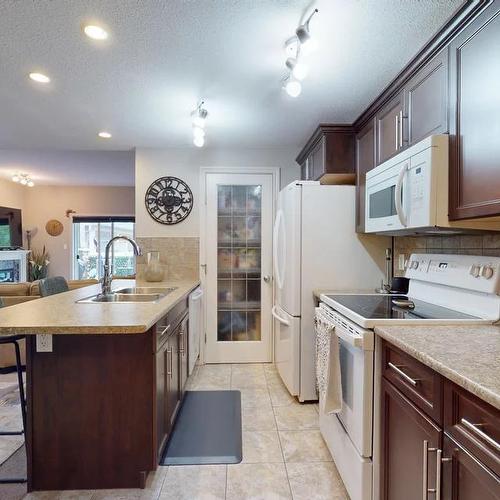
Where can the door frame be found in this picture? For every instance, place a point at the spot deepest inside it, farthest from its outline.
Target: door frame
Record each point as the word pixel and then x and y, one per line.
pixel 275 172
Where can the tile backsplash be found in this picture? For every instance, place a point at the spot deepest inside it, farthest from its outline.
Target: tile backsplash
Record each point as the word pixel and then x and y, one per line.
pixel 467 244
pixel 179 257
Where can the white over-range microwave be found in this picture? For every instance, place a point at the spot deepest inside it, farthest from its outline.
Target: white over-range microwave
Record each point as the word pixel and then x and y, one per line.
pixel 408 194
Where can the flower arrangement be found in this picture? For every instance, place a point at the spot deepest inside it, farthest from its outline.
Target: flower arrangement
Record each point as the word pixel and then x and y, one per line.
pixel 39 263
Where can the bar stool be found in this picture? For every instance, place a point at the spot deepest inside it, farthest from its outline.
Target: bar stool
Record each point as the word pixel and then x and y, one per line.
pixel 52 286
pixel 14 339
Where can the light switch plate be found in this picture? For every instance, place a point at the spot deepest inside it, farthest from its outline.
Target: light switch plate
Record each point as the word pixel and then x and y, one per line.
pixel 44 343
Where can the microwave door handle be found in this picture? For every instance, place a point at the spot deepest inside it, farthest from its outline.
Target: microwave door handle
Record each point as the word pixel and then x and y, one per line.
pixel 399 188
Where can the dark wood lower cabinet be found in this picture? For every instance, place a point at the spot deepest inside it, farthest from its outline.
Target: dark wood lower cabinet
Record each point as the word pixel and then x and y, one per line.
pixel 406 432
pixel 464 477
pixel 101 407
pixel 451 454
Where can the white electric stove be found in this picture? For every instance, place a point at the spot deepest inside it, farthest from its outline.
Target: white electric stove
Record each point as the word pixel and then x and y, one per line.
pixel 444 289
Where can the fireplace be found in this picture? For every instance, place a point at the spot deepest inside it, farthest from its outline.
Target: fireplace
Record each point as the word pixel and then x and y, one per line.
pixel 13 266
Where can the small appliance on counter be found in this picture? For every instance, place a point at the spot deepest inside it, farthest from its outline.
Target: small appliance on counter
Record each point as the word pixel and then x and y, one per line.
pixel 443 290
pixel 315 247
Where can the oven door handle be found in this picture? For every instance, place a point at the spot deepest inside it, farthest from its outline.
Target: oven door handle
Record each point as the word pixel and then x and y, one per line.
pixel 399 190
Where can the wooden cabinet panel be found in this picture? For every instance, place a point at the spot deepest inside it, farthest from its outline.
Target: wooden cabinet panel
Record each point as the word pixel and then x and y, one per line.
pixel 422 385
pixel 183 353
pixel 365 161
pixel 404 431
pixel 473 424
pixel 172 393
pixel 426 96
pixel 390 128
pixel 464 477
pixel 317 160
pixel 475 111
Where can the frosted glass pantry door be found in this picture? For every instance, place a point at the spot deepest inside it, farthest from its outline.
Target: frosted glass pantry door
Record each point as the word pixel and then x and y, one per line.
pixel 239 263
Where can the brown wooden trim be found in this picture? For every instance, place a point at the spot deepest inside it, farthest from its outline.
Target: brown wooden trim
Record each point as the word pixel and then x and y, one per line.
pixel 468 11
pixel 321 130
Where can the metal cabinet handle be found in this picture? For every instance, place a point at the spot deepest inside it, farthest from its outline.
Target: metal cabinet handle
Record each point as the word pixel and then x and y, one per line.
pixel 169 362
pixel 474 429
pixel 425 470
pixel 397 131
pixel 165 329
pixel 401 129
pixel 402 374
pixel 182 343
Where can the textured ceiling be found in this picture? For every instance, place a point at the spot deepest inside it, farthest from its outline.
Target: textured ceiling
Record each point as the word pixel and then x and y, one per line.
pixel 163 55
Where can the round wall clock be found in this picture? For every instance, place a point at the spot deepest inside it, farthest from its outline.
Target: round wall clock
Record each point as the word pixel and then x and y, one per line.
pixel 54 227
pixel 169 200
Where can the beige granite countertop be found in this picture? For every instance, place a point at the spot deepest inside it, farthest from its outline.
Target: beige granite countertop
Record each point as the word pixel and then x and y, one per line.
pixel 468 355
pixel 60 314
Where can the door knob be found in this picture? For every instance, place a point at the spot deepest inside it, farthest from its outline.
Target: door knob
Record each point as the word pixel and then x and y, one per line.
pixel 267 278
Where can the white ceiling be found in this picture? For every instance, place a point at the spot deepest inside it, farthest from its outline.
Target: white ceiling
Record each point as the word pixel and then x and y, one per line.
pixel 163 55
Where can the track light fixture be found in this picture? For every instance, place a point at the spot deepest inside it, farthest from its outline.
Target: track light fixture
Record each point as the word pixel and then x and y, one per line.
pixel 296 47
pixel 23 179
pixel 199 119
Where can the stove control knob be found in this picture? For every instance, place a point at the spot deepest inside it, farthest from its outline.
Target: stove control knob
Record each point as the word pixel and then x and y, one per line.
pixel 475 270
pixel 487 272
pixel 414 264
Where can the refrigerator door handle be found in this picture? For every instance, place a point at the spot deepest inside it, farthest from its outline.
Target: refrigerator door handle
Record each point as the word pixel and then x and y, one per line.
pixel 278 317
pixel 277 229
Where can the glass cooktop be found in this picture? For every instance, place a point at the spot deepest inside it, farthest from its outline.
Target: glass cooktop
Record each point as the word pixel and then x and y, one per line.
pixel 383 307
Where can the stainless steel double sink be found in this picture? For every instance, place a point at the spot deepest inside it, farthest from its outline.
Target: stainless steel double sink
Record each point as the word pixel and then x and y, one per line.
pixel 133 294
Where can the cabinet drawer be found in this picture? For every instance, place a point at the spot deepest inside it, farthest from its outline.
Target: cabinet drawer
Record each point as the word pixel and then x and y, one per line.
pixel 422 385
pixel 167 323
pixel 473 424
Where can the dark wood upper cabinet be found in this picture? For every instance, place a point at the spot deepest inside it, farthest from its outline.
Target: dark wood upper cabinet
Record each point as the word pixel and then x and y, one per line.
pixel 405 429
pixel 328 155
pixel 426 97
pixel 365 160
pixel 390 136
pixel 475 118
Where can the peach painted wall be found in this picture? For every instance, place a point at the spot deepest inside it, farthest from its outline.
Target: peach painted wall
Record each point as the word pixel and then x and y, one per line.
pixel 43 203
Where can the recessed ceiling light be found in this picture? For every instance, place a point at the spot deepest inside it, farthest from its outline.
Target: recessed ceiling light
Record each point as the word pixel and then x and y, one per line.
pixel 39 77
pixel 104 135
pixel 95 32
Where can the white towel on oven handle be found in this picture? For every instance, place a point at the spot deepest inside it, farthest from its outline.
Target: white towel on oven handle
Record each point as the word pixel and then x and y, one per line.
pixel 328 377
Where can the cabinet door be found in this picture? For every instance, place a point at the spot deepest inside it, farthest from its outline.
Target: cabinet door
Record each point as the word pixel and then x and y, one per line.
pixel 304 170
pixel 317 160
pixel 390 128
pixel 172 393
pixel 183 353
pixel 161 421
pixel 405 434
pixel 474 118
pixel 426 96
pixel 465 477
pixel 365 160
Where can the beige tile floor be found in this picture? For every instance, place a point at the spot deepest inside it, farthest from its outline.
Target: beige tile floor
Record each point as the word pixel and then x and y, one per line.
pixel 284 456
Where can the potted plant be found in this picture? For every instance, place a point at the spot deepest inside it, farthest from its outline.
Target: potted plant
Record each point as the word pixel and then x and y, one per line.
pixel 39 263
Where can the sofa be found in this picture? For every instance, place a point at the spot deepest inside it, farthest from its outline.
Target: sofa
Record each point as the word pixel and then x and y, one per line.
pixel 17 293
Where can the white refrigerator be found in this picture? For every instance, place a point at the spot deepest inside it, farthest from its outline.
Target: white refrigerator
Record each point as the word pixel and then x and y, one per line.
pixel 315 247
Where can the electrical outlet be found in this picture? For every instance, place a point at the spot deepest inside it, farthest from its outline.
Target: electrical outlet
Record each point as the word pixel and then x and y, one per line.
pixel 44 343
pixel 401 262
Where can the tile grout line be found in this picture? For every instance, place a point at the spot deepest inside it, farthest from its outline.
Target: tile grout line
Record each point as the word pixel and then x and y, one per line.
pixel 279 441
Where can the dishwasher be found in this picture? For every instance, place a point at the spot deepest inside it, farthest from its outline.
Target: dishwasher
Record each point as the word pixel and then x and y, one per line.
pixel 196 326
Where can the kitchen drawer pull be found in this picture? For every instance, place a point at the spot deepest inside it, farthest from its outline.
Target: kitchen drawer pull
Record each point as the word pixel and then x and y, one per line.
pixel 474 429
pixel 425 471
pixel 169 362
pixel 165 330
pixel 402 374
pixel 182 346
pixel 397 131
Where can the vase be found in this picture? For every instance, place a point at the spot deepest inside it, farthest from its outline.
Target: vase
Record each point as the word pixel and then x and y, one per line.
pixel 154 270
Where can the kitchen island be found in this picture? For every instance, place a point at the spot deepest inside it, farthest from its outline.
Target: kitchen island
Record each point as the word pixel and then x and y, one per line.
pixel 102 402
